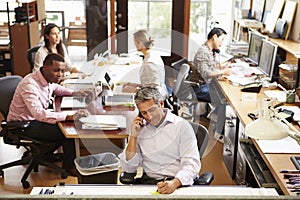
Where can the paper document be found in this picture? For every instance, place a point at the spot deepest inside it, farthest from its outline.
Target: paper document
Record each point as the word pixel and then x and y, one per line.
pixel 278 94
pixel 285 145
pixel 242 80
pixel 74 102
pixel 103 122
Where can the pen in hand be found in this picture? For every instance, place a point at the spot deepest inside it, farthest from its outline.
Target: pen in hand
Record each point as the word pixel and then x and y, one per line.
pixel 163 181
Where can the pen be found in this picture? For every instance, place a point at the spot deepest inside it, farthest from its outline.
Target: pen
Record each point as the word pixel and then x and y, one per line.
pixel 295 190
pixel 163 181
pixel 46 191
pixel 290 171
pixel 291 175
pixel 41 192
pixel 293 182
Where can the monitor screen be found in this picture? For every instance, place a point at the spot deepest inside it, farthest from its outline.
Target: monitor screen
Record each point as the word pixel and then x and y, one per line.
pixel 267 57
pixel 255 43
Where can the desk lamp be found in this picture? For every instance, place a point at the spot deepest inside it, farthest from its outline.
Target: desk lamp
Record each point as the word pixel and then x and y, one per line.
pixel 272 126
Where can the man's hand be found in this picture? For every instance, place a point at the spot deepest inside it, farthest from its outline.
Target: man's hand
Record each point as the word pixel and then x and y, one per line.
pixel 84 93
pixel 80 113
pixel 136 126
pixel 168 187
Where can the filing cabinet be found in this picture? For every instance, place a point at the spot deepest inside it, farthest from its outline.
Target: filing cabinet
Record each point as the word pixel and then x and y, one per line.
pixel 241 164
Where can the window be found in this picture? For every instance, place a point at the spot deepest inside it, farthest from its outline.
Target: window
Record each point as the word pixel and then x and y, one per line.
pixel 154 16
pixel 199 23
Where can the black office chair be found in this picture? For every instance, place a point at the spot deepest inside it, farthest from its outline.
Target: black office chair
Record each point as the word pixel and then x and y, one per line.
pixel 178 90
pixel 31 55
pixel 202 140
pixel 37 153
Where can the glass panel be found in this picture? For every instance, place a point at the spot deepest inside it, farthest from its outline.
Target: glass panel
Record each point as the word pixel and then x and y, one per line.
pixel 199 25
pixel 154 16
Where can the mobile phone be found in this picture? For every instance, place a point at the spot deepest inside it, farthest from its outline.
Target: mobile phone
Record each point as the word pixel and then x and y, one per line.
pixel 143 119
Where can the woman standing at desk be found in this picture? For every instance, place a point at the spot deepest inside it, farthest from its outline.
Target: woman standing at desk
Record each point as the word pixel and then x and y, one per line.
pixel 53 44
pixel 152 71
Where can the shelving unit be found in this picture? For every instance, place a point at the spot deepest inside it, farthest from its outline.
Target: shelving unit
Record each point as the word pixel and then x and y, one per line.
pixel 25 33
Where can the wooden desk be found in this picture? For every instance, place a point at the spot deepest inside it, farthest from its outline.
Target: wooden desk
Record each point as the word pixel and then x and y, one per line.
pixel 73 130
pixel 275 162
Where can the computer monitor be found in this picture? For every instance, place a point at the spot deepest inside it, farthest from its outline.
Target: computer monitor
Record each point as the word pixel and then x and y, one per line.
pixel 267 57
pixel 255 44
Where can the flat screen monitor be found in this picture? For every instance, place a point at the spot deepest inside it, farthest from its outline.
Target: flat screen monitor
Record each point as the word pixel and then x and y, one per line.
pixel 255 44
pixel 267 57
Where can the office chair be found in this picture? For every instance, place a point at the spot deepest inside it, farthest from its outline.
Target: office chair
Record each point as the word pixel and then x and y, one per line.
pixel 31 55
pixel 184 90
pixel 178 90
pixel 37 153
pixel 202 140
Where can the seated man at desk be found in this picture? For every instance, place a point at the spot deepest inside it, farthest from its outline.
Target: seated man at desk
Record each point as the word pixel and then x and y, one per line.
pixel 162 143
pixel 209 69
pixel 31 101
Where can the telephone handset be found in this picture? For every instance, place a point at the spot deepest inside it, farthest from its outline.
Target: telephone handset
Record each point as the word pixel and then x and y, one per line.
pixel 143 119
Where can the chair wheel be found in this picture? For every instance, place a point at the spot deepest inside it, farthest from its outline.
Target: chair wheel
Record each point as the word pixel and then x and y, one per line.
pixel 25 184
pixel 2 173
pixel 64 175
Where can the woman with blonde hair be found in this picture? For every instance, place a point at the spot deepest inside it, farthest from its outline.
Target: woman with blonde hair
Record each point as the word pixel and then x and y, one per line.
pixel 152 71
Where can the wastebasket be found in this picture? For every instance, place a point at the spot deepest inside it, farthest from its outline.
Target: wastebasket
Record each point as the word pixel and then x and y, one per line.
pixel 97 168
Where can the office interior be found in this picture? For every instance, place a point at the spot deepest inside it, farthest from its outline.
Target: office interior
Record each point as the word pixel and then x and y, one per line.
pixel 186 24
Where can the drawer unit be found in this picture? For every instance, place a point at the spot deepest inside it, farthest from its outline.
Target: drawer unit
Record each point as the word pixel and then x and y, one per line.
pixel 241 165
pixel 230 141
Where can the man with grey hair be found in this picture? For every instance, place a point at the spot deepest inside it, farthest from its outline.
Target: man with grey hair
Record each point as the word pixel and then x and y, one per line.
pixel 162 143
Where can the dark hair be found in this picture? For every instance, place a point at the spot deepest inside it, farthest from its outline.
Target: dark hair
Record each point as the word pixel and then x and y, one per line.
pixel 59 46
pixel 52 57
pixel 218 31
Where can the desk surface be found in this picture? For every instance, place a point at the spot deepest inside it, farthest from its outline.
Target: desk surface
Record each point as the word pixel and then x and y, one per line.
pixel 148 190
pixel 275 162
pixel 73 130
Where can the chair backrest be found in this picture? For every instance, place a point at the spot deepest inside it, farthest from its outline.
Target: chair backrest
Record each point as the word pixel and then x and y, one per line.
pixel 202 137
pixel 31 55
pixel 182 74
pixel 7 90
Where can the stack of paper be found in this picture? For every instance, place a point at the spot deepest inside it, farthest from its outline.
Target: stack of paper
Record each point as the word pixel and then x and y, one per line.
pixel 103 122
pixel 118 100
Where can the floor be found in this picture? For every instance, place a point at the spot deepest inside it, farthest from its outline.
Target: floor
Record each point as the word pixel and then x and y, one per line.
pixel 10 184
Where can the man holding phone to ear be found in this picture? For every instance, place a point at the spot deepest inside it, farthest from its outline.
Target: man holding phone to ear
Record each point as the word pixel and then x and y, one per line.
pixel 162 143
